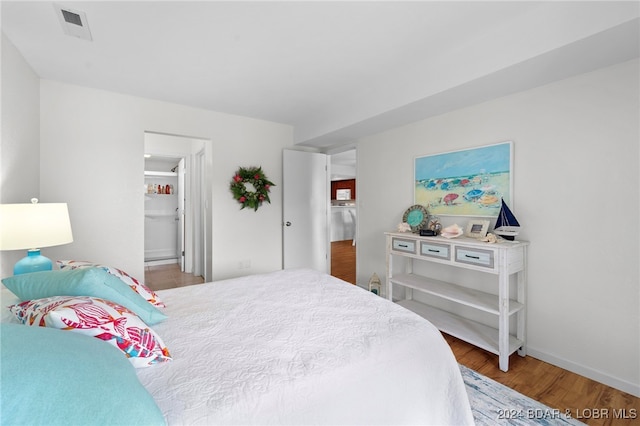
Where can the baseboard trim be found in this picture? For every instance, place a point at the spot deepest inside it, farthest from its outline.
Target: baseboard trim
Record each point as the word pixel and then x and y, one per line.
pixel 599 376
pixel 157 262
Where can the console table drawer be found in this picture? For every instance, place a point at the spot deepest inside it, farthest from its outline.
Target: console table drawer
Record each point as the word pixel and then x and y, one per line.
pixel 440 251
pixel 407 246
pixel 474 256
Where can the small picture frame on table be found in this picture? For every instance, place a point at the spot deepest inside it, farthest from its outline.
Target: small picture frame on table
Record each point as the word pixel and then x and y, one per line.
pixel 477 228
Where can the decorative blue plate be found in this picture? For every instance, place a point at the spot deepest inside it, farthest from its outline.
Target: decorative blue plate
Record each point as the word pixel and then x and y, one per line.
pixel 416 216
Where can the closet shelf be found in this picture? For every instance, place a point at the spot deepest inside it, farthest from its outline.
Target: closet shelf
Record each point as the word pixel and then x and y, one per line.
pixel 156 173
pixel 160 215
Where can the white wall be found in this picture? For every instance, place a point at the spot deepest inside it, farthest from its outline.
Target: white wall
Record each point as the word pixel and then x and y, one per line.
pixel 20 148
pixel 575 195
pixel 92 145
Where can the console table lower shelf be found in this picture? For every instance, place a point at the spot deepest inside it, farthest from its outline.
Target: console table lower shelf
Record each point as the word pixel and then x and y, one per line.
pixel 470 331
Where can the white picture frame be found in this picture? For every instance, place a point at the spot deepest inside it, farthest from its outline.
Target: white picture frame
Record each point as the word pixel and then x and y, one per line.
pixel 477 228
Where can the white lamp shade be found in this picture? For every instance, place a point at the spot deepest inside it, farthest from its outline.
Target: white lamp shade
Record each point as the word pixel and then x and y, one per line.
pixel 29 226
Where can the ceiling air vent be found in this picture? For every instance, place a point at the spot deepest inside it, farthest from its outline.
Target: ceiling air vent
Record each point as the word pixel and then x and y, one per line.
pixel 74 22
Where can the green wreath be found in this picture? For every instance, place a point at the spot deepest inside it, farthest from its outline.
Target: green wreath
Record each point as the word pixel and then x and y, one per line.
pixel 252 197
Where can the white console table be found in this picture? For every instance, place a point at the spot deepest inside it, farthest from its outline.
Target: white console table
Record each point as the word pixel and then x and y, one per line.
pixel 501 259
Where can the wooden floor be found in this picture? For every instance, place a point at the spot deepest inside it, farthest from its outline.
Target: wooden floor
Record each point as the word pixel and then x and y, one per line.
pixel 161 277
pixel 343 260
pixel 587 400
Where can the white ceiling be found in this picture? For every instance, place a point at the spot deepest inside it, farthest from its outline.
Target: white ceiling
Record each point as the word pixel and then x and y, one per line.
pixel 335 71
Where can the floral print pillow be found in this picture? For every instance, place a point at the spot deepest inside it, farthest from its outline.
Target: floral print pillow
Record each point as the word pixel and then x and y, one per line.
pixel 136 285
pixel 98 318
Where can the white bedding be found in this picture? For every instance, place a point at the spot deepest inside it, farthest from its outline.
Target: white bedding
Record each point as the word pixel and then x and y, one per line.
pixel 301 347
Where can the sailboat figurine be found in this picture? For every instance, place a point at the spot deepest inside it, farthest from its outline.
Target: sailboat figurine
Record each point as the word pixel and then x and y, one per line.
pixel 507 225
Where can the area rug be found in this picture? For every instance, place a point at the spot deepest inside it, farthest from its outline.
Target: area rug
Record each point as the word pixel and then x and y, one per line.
pixel 492 403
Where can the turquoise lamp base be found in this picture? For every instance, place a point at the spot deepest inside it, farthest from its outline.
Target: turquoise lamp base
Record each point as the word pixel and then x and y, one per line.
pixel 34 262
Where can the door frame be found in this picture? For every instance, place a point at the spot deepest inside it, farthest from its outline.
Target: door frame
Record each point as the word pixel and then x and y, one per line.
pixel 168 145
pixel 199 207
pixel 330 152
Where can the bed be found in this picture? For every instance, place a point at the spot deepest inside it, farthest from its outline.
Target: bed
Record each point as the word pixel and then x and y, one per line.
pixel 297 347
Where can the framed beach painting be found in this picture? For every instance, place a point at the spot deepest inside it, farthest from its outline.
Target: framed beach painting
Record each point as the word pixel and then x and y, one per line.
pixel 468 182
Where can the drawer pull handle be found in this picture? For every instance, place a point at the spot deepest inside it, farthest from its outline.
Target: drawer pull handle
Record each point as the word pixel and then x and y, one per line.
pixel 434 251
pixel 403 245
pixel 472 257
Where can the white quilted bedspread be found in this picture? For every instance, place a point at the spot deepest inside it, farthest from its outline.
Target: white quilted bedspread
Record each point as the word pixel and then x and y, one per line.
pixel 301 347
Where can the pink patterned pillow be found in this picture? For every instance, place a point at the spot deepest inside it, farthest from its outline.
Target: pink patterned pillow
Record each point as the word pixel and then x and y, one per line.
pixel 136 285
pixel 98 318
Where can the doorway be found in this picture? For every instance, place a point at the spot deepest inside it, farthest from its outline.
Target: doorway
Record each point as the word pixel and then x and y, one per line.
pixel 176 201
pixel 164 210
pixel 343 215
pixel 307 212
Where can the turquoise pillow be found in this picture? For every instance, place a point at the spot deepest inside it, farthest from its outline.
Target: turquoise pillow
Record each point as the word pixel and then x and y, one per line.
pixel 94 282
pixel 53 377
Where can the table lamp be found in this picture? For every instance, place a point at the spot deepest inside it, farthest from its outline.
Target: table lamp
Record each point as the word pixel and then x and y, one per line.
pixel 26 226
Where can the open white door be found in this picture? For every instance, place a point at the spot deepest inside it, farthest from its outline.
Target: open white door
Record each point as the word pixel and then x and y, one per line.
pixel 181 206
pixel 305 210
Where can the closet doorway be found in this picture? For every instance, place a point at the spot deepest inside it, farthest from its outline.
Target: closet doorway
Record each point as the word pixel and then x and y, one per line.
pixel 164 205
pixel 344 213
pixel 176 201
